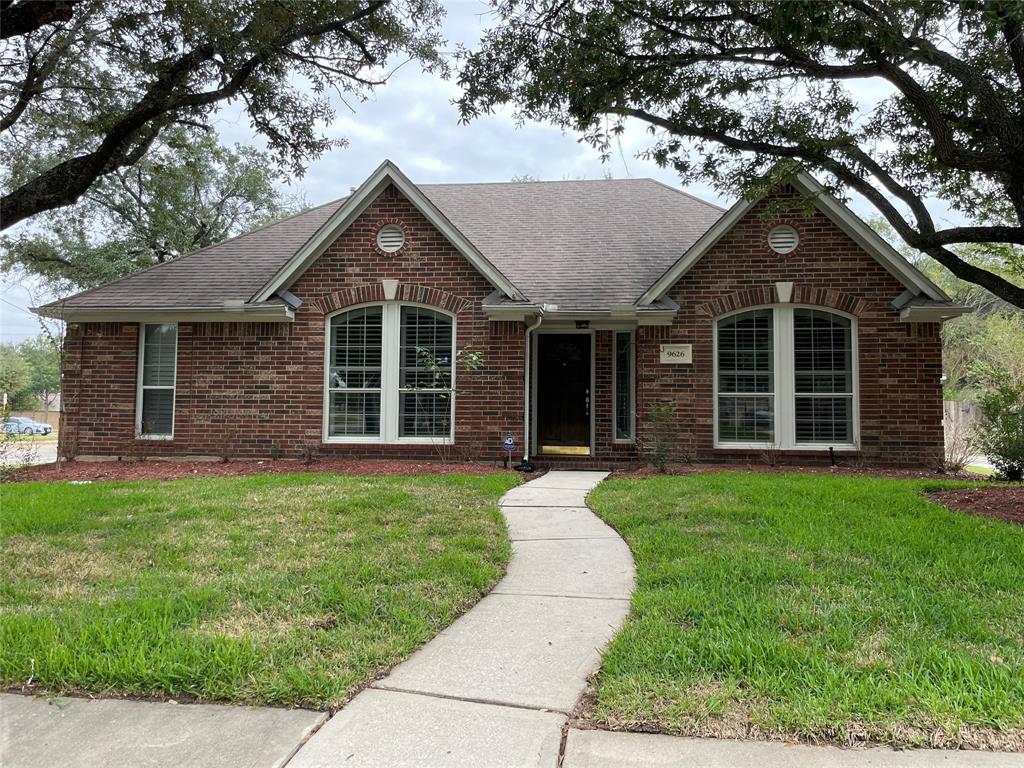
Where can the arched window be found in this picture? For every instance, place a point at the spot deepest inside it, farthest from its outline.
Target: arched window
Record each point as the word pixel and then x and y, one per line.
pixel 785 376
pixel 389 375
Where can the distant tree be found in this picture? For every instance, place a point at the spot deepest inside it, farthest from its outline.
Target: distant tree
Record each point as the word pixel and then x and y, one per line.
pixel 15 378
pixel 43 360
pixel 87 86
pixel 187 193
pixel 743 93
pixel 989 339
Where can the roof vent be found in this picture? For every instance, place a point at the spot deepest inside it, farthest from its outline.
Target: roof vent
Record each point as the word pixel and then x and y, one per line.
pixel 783 239
pixel 390 238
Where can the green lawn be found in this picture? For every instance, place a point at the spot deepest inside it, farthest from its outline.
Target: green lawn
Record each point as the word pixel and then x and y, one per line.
pixel 816 607
pixel 287 589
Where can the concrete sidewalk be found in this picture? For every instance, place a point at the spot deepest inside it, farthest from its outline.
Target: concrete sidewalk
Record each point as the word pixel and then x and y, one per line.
pixel 494 689
pixel 94 733
pixel 604 749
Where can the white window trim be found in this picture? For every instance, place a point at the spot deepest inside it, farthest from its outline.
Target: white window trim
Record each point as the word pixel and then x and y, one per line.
pixel 391 336
pixel 632 388
pixel 139 386
pixel 784 396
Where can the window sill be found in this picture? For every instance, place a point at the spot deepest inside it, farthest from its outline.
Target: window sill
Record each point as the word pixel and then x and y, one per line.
pixel 153 438
pixel 379 441
pixel 809 450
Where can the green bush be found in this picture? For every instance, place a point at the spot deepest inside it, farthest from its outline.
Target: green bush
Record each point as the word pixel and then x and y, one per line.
pixel 1001 432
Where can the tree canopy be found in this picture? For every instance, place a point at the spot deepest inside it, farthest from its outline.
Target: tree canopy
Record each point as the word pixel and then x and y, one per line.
pixel 187 193
pixel 87 86
pixel 744 93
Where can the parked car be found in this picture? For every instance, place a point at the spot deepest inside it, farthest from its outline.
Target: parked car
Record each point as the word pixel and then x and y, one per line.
pixel 20 425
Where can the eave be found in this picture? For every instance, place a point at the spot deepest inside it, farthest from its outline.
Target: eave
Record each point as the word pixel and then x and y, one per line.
pixel 933 314
pixel 265 313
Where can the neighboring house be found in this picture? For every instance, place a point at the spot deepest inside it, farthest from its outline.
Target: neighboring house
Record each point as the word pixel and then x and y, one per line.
pixel 591 303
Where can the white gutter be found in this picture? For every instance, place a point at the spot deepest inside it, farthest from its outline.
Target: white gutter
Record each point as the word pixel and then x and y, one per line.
pixel 526 388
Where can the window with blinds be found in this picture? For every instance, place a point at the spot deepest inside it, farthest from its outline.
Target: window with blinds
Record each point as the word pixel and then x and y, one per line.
pixel 355 373
pixel 157 368
pixel 823 377
pixel 390 374
pixel 746 377
pixel 425 374
pixel 786 376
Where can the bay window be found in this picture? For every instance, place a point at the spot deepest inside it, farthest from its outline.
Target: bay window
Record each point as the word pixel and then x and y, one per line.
pixel 389 375
pixel 785 376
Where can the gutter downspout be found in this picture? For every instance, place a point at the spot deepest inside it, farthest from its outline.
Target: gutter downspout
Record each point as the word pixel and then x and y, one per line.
pixel 527 388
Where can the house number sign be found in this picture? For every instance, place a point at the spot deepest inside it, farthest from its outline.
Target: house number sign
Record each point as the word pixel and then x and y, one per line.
pixel 677 353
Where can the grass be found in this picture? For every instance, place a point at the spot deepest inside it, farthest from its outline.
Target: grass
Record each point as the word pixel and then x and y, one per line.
pixel 19 438
pixel 284 590
pixel 814 607
pixel 986 471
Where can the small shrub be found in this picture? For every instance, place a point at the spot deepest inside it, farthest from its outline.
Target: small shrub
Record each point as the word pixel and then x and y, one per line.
pixel 1001 431
pixel 14 453
pixel 960 443
pixel 310 452
pixel 772 454
pixel 658 447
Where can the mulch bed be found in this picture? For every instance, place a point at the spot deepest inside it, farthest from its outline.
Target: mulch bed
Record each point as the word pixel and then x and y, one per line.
pixel 175 470
pixel 858 471
pixel 1006 503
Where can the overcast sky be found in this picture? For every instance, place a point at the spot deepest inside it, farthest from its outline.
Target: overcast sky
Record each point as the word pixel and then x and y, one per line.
pixel 411 121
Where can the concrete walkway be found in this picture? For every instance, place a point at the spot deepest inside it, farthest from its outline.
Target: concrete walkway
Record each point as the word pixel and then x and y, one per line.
pixel 494 689
pixel 36 732
pixel 604 749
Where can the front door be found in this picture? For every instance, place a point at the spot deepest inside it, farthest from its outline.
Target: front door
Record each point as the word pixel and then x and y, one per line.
pixel 563 393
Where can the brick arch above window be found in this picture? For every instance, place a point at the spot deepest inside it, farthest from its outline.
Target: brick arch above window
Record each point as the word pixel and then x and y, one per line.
pixel 407 292
pixel 802 294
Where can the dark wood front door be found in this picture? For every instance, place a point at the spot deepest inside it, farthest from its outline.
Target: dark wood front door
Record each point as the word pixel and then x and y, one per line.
pixel 563 393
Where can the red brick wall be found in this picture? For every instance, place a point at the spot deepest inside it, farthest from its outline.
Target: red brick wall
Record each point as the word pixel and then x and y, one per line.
pixel 250 390
pixel 254 389
pixel 900 364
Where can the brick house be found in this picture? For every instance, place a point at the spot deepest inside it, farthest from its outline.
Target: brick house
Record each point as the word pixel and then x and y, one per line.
pixel 584 318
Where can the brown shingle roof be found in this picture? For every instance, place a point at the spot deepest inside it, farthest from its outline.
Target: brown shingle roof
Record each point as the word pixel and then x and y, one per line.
pixel 577 244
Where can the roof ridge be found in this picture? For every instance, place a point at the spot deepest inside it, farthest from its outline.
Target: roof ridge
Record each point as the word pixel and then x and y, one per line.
pixel 184 256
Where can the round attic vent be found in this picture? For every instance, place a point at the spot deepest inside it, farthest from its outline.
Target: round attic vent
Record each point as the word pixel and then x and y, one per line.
pixel 783 239
pixel 390 238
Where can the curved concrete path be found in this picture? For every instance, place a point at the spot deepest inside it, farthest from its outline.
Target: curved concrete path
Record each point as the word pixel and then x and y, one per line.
pixel 495 687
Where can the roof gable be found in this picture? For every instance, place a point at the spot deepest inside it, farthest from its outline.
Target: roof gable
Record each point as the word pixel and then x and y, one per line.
pixel 855 227
pixel 386 173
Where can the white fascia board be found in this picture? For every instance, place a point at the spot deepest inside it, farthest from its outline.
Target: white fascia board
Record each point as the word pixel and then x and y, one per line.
pixel 858 230
pixel 274 313
pixel 386 173
pixel 914 314
pixel 513 312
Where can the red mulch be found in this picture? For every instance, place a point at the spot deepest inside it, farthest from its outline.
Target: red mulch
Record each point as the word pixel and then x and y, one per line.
pixel 1003 503
pixel 903 474
pixel 174 470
